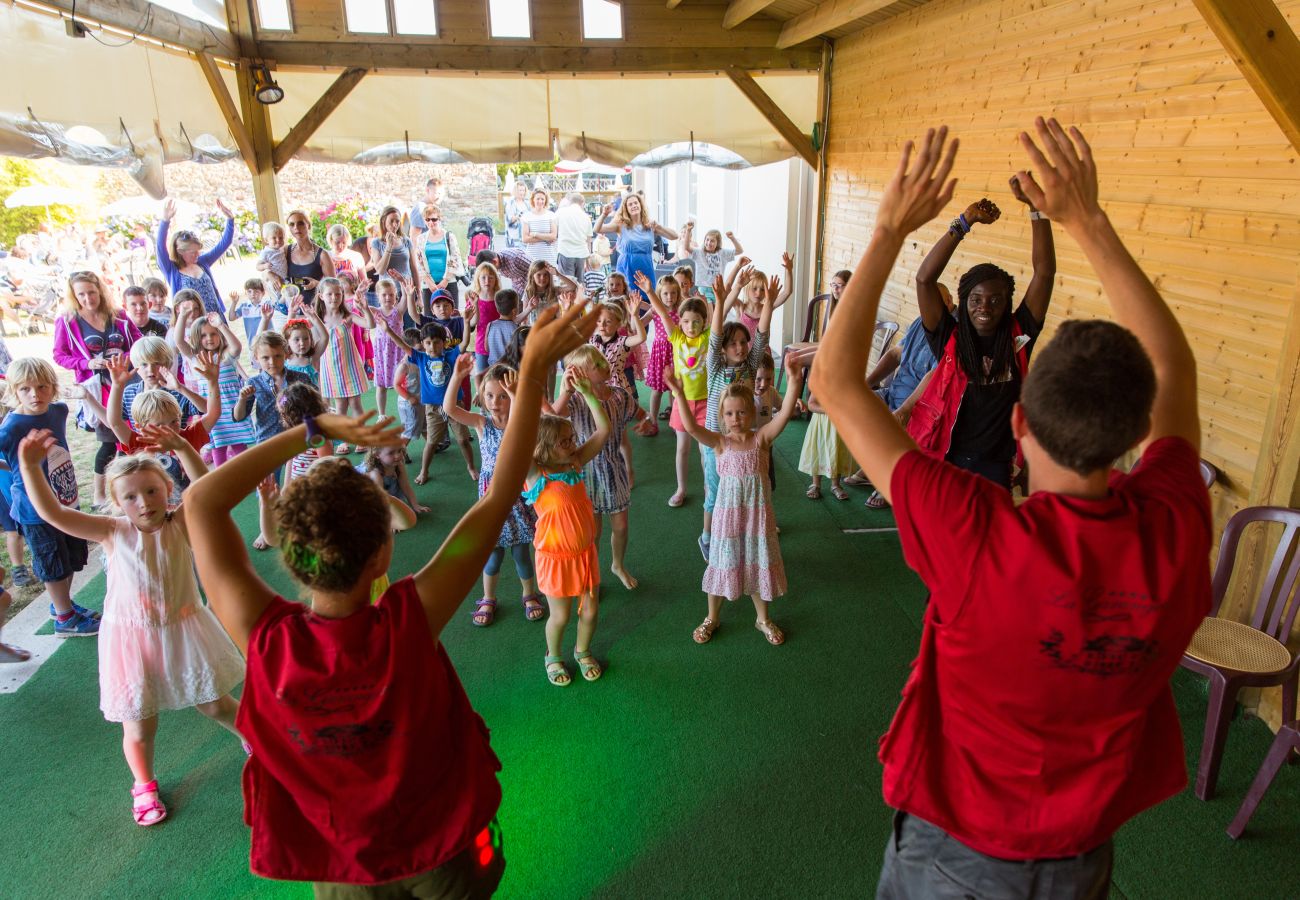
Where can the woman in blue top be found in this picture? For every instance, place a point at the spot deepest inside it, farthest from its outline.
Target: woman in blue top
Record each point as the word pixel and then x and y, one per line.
pixel 183 262
pixel 437 256
pixel 636 237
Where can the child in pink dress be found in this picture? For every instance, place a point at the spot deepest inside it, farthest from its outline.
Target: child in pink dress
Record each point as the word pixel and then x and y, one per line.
pixel 744 553
pixel 661 351
pixel 388 355
pixel 160 647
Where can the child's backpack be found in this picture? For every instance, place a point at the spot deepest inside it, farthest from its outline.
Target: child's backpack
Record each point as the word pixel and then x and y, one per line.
pixel 480 234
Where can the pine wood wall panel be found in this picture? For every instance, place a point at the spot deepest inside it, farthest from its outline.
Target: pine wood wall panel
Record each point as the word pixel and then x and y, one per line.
pixel 1200 181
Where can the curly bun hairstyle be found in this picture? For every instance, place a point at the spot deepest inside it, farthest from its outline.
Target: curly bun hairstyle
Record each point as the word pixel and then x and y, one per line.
pixel 297 401
pixel 333 520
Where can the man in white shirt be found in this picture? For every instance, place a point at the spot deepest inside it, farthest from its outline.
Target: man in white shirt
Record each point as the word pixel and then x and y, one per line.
pixel 573 244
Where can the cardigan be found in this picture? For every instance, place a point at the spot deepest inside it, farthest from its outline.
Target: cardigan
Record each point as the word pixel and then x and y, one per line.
pixel 173 274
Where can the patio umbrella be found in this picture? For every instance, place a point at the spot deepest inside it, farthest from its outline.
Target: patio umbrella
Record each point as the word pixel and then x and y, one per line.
pixel 45 195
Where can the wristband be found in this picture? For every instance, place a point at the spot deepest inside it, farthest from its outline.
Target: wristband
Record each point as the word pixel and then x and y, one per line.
pixel 1036 216
pixel 315 437
pixel 956 229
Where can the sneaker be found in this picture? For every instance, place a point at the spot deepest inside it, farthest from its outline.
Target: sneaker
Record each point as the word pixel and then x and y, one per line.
pixel 22 576
pixel 77 626
pixel 79 610
pixel 704 546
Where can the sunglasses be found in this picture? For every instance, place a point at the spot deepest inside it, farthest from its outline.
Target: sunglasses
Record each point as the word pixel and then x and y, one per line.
pixel 432 219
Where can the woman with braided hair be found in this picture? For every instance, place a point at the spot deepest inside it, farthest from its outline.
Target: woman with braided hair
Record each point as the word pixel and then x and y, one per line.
pixel 964 415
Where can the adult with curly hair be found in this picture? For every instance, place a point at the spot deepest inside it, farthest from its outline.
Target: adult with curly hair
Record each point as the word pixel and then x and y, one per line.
pixel 636 239
pixel 86 334
pixel 964 414
pixel 184 263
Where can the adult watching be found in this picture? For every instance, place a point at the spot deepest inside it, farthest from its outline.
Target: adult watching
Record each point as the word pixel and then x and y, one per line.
pixel 574 243
pixel 184 264
pixel 432 195
pixel 515 208
pixel 437 256
pixel 308 261
pixel 539 228
pixel 391 251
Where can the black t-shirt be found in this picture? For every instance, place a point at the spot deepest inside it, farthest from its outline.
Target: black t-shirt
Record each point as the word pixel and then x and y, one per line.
pixel 983 428
pixel 153 327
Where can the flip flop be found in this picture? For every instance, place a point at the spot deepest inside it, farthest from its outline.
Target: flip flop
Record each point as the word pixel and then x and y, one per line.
pixel 876 501
pixel 856 480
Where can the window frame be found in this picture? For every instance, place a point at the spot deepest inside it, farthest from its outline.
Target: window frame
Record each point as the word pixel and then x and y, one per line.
pixel 257 16
pixel 622 23
pixel 531 36
pixel 390 17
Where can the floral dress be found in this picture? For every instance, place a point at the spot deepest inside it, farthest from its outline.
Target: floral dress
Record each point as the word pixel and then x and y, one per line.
pixel 661 354
pixel 744 551
pixel 608 483
pixel 521 522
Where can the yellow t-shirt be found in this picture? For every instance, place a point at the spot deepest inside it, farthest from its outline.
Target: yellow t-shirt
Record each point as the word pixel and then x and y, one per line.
pixel 689 363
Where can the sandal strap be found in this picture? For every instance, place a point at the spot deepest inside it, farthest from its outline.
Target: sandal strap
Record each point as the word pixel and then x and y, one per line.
pixel 579 657
pixel 552 660
pixel 486 601
pixel 141 789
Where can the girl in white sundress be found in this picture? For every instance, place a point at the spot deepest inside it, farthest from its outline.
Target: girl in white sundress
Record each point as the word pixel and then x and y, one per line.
pixel 159 646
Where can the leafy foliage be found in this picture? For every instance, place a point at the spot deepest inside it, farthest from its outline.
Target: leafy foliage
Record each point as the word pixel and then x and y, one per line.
pixel 16 173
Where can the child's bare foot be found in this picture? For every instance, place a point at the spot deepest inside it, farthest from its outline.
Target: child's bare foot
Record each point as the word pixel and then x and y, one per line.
pixel 473 474
pixel 624 576
pixel 11 654
pixel 259 543
pixel 422 478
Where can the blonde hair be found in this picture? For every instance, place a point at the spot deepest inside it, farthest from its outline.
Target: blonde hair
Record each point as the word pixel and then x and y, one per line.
pixel 539 190
pixel 272 339
pixel 588 355
pixel 70 305
pixel 385 282
pixel 196 335
pixel 549 431
pixel 670 283
pixel 178 237
pixel 615 310
pixel 712 233
pixel 132 464
pixel 29 370
pixel 595 261
pixel 739 390
pixel 152 349
pixel 486 268
pixel 430 208
pixel 154 407
pixel 338 228
pixel 270 228
pixel 755 277
pixel 530 290
pixel 608 284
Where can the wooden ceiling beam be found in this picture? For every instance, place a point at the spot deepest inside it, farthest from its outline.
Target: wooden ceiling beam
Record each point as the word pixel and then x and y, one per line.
pixel 1262 44
pixel 158 23
pixel 740 10
pixel 827 16
pixel 315 117
pixel 673 4
pixel 519 58
pixel 229 111
pixel 795 137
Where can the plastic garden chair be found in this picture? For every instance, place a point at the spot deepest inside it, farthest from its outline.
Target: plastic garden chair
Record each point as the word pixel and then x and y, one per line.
pixel 1233 655
pixel 1286 742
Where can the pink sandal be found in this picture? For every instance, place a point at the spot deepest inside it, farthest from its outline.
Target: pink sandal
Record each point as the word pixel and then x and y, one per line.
pixel 154 807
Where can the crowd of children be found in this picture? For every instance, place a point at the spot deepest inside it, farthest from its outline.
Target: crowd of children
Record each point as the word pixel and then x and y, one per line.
pixel 548 392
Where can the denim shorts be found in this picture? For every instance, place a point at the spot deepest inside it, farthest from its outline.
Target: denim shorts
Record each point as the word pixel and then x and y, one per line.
pixel 55 555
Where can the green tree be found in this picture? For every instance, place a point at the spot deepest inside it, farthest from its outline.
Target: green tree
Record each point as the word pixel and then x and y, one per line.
pixel 16 173
pixel 524 168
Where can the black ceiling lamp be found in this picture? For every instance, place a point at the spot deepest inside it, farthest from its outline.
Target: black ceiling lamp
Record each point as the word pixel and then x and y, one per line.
pixel 264 87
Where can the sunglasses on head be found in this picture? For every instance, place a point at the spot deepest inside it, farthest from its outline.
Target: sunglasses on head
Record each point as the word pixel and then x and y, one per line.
pixel 186 236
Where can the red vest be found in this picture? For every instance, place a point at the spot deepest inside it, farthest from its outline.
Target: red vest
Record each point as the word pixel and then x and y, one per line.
pixel 368 763
pixel 935 414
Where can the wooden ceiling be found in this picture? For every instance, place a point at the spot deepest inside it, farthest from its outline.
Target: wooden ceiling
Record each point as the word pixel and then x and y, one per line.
pixel 806 19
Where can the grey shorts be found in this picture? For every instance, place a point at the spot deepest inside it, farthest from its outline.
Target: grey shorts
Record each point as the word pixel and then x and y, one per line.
pixel 923 862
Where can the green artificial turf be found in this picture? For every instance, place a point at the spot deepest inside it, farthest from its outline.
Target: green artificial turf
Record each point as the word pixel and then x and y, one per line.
pixel 734 769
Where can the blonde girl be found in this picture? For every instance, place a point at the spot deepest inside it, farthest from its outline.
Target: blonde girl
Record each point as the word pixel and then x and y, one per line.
pixel 757 288
pixel 568 565
pixel 480 311
pixel 212 334
pixel 496 397
pixel 710 258
pixel 540 291
pixel 670 295
pixel 160 647
pixel 386 467
pixel 388 355
pixel 342 368
pixel 745 553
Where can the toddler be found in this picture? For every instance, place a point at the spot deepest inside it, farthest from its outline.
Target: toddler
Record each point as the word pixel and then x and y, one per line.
pixel 273 262
pixel 593 275
pixel 501 330
pixel 410 411
pixel 386 467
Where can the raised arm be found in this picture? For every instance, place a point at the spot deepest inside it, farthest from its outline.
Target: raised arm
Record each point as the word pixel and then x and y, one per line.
pixel 663 230
pixel 665 318
pixel 448 577
pixel 235 591
pixel 684 245
pixel 165 264
pixel 913 196
pixel 1066 191
pixel 31 453
pixel 223 243
pixel 593 445
pixel 1039 293
pixel 160 437
pixel 794 369
pixel 182 337
pixel 928 298
pixel 234 347
pixel 608 224
pixel 208 367
pixel 395 335
pixel 464 366
pixel 119 370
pixel 637 337
pixel 885 366
pixel 786 288
pixel 735 242
pixel 704 436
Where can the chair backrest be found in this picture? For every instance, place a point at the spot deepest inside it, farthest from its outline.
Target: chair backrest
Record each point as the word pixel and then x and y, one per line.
pixel 815 315
pixel 881 340
pixel 1209 473
pixel 1277 604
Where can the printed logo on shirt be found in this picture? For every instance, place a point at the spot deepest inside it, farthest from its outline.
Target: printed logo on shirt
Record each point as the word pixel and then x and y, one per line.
pixel 437 371
pixel 62 476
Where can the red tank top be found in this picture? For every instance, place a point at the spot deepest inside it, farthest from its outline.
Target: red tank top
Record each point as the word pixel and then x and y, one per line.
pixel 368 763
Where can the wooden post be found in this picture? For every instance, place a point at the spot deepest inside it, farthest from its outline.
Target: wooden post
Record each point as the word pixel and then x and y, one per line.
pixel 1264 47
pixel 266 188
pixel 774 114
pixel 228 109
pixel 315 117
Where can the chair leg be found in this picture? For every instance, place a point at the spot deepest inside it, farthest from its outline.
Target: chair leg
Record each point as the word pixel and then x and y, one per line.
pixel 1217 716
pixel 1288 739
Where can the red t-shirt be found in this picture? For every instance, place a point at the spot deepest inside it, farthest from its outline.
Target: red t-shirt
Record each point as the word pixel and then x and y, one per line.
pixel 368 763
pixel 1038 717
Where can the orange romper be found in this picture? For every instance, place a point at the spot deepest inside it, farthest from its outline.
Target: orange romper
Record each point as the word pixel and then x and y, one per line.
pixel 568 564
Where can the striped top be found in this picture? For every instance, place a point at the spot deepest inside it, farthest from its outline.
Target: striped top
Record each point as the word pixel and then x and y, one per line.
pixel 541 224
pixel 342 367
pixel 593 280
pixel 227 431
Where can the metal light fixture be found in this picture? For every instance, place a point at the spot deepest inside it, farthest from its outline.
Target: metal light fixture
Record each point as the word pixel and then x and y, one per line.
pixel 264 87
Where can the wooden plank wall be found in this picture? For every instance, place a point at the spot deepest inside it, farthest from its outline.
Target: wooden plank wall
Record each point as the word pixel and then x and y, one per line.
pixel 1199 180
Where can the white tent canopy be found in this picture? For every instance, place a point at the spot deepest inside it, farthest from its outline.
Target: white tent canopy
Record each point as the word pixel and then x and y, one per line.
pixel 154 104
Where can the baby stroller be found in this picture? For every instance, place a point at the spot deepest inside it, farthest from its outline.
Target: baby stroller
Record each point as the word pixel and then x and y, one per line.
pixel 480 234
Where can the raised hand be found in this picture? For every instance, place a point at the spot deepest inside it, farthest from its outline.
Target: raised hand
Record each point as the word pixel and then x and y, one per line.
pixel 118 368
pixel 268 490
pixel 223 209
pixel 642 282
pixel 719 287
pixel 794 367
pixel 383 432
pixel 742 261
pixel 773 287
pixel 36 446
pixel 731 235
pixel 161 437
pixel 169 209
pixel 983 212
pixel 914 197
pixel 246 392
pixel 1066 188
pixel 214 319
pixel 509 382
pixel 268 310
pixel 1018 192
pixel 233 297
pixel 464 365
pixel 207 365
pixel 787 260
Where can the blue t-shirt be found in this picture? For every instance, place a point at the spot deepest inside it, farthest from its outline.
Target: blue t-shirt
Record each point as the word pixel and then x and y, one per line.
pixel 132 390
pixel 455 327
pixel 435 372
pixel 57 465
pixel 917 361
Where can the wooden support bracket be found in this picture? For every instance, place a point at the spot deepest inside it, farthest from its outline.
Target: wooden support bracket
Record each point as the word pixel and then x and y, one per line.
pixel 1262 44
pixel 827 16
pixel 801 143
pixel 740 10
pixel 229 111
pixel 315 117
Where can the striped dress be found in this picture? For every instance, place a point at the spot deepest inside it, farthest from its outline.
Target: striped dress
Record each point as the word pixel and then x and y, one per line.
pixel 608 484
pixel 342 367
pixel 227 432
